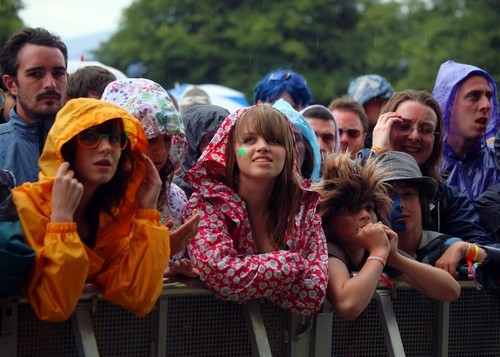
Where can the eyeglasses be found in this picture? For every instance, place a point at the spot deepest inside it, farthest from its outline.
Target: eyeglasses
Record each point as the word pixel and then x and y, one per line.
pixel 284 75
pixel 352 133
pixel 91 138
pixel 3 99
pixel 407 128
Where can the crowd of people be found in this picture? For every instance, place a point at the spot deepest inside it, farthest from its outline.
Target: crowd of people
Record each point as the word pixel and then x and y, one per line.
pixel 115 182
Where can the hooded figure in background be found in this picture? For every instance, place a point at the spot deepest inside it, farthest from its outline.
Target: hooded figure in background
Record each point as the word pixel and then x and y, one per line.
pixel 201 123
pixel 470 117
pixel 309 155
pixel 488 204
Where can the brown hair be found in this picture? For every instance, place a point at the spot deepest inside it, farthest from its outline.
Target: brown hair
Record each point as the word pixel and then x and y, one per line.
pixel 89 79
pixel 345 103
pixel 431 166
pixel 34 36
pixel 349 184
pixel 108 195
pixel 318 112
pixel 286 197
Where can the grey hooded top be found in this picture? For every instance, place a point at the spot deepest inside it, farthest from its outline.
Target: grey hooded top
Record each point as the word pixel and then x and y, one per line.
pixel 198 121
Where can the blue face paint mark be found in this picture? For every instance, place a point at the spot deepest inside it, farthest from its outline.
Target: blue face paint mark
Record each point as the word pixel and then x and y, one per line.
pixel 397 226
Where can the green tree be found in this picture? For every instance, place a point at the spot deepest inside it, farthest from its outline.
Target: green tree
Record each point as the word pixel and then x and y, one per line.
pixel 11 22
pixel 407 40
pixel 381 31
pixel 235 43
pixel 464 31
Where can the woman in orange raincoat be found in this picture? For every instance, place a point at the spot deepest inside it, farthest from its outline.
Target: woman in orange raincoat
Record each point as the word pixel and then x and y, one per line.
pixel 92 215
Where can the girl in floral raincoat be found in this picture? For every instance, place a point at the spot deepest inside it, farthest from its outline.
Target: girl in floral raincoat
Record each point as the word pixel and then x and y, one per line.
pixel 259 234
pixel 151 105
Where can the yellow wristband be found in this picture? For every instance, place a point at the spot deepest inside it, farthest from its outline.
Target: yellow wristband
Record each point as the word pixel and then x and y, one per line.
pixel 476 253
pixel 378 150
pixel 472 252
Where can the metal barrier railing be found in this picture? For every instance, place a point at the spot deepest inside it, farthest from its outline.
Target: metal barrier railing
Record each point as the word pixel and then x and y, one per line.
pixel 188 321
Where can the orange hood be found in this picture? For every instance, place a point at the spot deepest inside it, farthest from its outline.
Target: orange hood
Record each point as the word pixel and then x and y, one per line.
pixel 80 114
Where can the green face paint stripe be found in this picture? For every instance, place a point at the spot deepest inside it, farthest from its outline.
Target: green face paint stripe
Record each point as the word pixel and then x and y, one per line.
pixel 242 152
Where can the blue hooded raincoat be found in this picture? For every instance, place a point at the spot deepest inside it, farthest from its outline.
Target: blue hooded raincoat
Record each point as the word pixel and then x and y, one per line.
pixel 476 171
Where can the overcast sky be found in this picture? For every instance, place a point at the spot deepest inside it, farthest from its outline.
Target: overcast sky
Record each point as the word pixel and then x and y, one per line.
pixel 69 18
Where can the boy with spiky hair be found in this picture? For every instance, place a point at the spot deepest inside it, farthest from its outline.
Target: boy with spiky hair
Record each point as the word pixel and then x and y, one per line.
pixel 353 201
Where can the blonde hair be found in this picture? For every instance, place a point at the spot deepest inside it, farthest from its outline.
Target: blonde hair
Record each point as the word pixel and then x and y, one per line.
pixel 349 184
pixel 287 194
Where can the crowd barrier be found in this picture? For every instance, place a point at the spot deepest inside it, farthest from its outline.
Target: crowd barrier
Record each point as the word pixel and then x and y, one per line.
pixel 188 321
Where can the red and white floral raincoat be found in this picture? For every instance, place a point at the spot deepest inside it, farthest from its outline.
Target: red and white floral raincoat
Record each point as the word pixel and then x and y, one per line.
pixel 223 250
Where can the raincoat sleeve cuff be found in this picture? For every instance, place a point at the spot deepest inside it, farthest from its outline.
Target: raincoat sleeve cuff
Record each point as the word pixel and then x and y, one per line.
pixel 149 214
pixel 61 227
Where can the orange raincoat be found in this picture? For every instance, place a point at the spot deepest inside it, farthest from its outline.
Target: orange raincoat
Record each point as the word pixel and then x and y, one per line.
pixel 130 252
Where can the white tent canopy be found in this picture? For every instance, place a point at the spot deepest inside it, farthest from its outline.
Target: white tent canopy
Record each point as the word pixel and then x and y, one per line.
pixel 219 95
pixel 74 65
